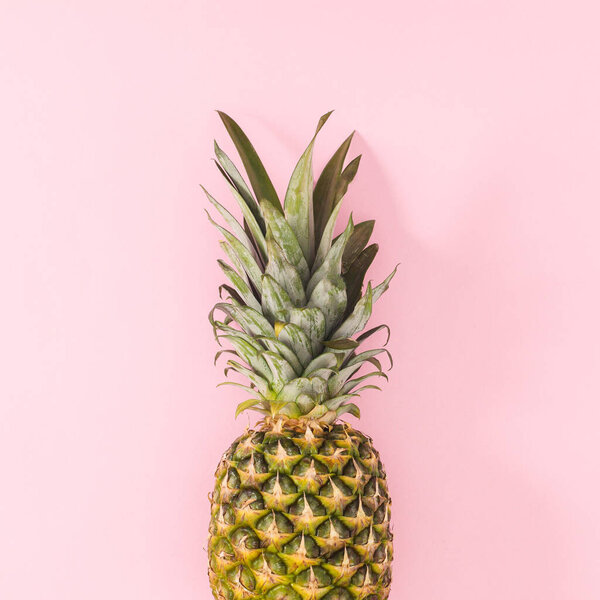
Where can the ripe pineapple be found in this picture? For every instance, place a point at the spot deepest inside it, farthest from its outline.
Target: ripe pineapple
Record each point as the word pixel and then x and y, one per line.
pixel 300 509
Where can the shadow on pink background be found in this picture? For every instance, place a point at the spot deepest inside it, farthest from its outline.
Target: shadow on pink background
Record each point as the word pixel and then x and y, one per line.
pixel 480 131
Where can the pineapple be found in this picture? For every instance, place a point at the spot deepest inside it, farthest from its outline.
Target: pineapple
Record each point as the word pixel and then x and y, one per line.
pixel 300 509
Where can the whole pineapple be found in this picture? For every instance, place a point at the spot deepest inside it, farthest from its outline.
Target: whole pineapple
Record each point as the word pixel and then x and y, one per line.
pixel 300 509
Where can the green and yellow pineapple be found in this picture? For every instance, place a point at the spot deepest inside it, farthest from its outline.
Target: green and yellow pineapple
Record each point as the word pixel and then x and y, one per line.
pixel 300 509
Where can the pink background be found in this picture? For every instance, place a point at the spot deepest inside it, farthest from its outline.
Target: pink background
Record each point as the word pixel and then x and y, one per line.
pixel 480 129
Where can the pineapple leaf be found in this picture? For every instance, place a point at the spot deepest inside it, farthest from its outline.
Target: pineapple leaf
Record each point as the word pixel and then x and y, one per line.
pixel 329 296
pixel 281 370
pixel 312 321
pixel 242 406
pixel 298 203
pixel 326 237
pixel 358 317
pixel 233 294
pixel 341 344
pixel 242 287
pixel 323 361
pixel 352 383
pixel 332 265
pixel 282 271
pixel 326 188
pixel 251 321
pixel 235 179
pixel 246 388
pixel 348 408
pixel 259 179
pixel 244 255
pixel 236 229
pixel 261 384
pixel 284 235
pixel 275 300
pixel 233 257
pixel 355 275
pixel 294 388
pixel 334 403
pixel 295 339
pixel 357 242
pixel 253 357
pixel 368 354
pixel 253 225
pixel 363 336
pixel 348 175
pixel 384 285
pixel 277 347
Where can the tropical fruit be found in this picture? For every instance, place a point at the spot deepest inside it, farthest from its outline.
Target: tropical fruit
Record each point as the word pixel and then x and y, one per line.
pixel 300 509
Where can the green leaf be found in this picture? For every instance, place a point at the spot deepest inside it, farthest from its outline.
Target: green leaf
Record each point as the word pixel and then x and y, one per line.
pixel 233 257
pixel 336 382
pixel 352 383
pixel 242 406
pixel 312 321
pixel 233 294
pixel 364 356
pixel 275 300
pixel 358 317
pixel 284 235
pixel 251 321
pixel 242 287
pixel 355 275
pixel 334 403
pixel 261 384
pixel 348 408
pixel 326 189
pixel 277 347
pixel 318 412
pixel 332 265
pixel 295 339
pixel 367 334
pixel 329 296
pixel 259 180
pixel 348 175
pixel 299 198
pixel 341 344
pixel 326 360
pixel 281 370
pixel 245 256
pixel 357 242
pixel 246 388
pixel 255 227
pixel 294 388
pixel 236 229
pixel 235 179
pixel 284 273
pixel 384 285
pixel 326 238
pixel 251 356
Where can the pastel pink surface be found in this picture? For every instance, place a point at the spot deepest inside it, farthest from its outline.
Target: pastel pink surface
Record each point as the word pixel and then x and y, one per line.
pixel 480 134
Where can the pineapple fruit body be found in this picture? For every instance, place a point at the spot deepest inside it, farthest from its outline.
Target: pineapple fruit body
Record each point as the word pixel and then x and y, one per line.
pixel 300 511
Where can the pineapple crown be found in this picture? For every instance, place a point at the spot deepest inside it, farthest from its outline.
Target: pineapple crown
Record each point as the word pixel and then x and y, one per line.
pixel 294 299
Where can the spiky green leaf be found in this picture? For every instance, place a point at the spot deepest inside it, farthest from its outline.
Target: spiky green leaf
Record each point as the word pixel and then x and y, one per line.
pixel 326 188
pixel 259 179
pixel 332 265
pixel 284 273
pixel 241 286
pixel 299 198
pixel 285 237
pixel 357 242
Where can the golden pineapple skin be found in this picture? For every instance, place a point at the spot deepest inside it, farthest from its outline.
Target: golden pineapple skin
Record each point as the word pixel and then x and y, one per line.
pixel 300 511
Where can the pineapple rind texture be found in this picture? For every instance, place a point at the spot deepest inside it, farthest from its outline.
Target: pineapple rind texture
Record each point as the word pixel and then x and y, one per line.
pixel 300 511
